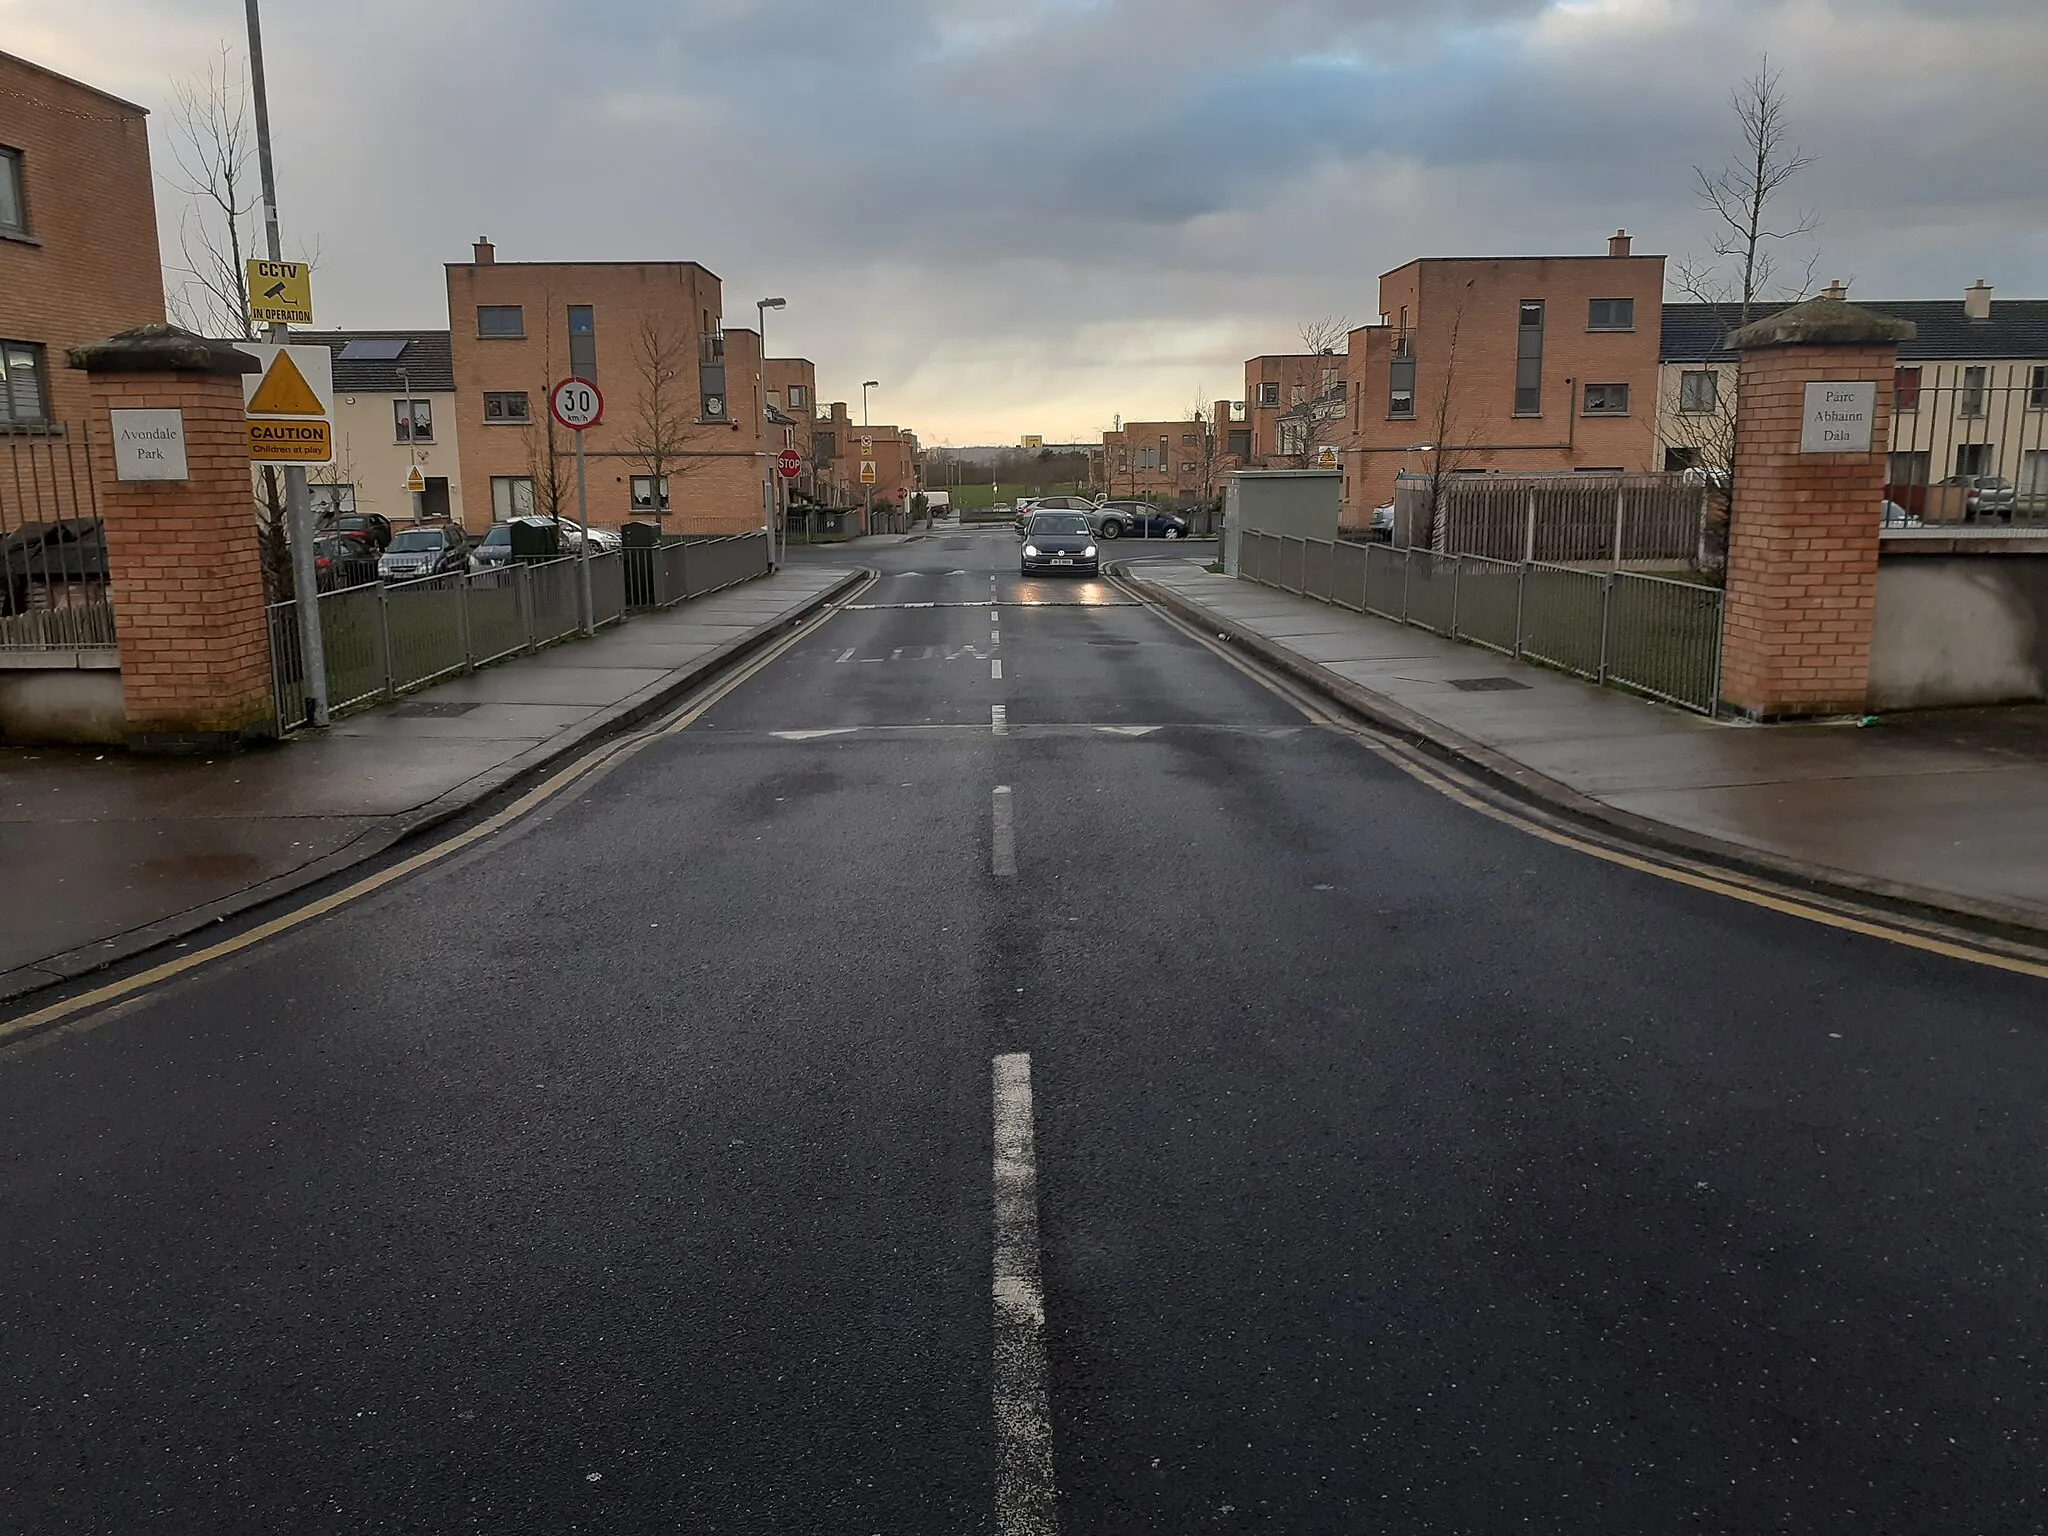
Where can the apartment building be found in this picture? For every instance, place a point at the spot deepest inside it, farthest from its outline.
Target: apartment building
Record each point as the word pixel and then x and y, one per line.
pixel 1970 397
pixel 395 410
pixel 1515 364
pixel 683 432
pixel 1167 461
pixel 78 238
pixel 1289 400
pixel 840 445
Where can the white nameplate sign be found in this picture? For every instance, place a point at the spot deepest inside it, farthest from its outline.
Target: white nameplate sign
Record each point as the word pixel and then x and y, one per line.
pixel 149 445
pixel 1838 418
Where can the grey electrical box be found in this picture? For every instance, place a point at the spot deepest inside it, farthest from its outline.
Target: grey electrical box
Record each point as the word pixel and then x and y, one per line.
pixel 1294 503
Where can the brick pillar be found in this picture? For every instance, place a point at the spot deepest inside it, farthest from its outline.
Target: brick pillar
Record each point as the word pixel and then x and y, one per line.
pixel 1803 535
pixel 183 558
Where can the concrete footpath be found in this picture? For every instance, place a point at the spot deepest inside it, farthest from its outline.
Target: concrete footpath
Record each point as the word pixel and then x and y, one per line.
pixel 1946 810
pixel 103 855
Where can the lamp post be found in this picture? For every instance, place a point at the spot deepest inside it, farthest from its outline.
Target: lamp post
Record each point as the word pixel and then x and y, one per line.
pixel 867 489
pixel 761 308
pixel 412 453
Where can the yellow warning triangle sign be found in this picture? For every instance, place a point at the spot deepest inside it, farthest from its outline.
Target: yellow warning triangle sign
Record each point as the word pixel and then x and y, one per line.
pixel 284 392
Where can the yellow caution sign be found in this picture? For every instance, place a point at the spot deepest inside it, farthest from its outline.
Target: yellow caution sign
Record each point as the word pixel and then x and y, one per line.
pixel 867 471
pixel 291 442
pixel 415 482
pixel 284 391
pixel 280 292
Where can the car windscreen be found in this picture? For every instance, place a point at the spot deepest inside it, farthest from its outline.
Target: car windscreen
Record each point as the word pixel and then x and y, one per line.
pixel 1059 522
pixel 418 539
pixel 501 533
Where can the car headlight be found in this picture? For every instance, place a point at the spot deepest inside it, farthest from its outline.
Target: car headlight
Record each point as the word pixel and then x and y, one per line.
pixel 1088 553
pixel 1030 551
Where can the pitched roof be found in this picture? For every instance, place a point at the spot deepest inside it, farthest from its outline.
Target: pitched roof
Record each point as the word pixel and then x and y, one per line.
pixel 2017 328
pixel 427 360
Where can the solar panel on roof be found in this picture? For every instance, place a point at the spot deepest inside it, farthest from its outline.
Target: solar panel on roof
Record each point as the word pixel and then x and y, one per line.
pixel 373 349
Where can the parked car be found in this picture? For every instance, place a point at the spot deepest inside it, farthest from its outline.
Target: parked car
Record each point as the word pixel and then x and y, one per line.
pixel 1381 529
pixel 1896 516
pixel 1060 541
pixel 1026 510
pixel 429 551
pixel 1137 520
pixel 495 547
pixel 342 560
pixel 373 529
pixel 1987 495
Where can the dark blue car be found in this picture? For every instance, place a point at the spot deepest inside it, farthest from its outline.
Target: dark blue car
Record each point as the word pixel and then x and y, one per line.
pixel 1137 520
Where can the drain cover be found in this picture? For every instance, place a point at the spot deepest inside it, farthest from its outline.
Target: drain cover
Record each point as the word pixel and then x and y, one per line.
pixel 425 710
pixel 1486 684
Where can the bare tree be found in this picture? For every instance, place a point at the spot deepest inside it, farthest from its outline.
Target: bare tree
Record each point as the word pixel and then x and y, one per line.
pixel 552 481
pixel 654 445
pixel 1748 237
pixel 1451 440
pixel 1326 336
pixel 213 145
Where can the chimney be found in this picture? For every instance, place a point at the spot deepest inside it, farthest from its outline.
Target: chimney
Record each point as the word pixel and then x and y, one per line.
pixel 1977 300
pixel 1836 289
pixel 485 252
pixel 1617 244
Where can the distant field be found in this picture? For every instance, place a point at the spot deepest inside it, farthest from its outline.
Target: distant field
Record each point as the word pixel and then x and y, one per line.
pixel 968 497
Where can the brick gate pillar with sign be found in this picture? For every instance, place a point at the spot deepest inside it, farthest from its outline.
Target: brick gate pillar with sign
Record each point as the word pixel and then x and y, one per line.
pixel 171 463
pixel 1813 402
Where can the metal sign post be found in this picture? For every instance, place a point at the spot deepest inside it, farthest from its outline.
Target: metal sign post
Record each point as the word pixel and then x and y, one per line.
pixel 298 505
pixel 579 406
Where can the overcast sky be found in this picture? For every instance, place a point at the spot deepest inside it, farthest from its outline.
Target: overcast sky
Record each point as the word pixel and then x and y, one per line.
pixel 1032 215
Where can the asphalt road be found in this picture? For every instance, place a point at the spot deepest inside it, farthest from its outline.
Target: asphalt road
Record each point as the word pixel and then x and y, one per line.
pixel 1384 1168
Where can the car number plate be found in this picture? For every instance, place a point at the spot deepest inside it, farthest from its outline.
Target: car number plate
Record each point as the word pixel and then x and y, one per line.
pixel 1061 560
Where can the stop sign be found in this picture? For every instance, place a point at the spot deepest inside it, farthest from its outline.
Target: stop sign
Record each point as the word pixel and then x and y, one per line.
pixel 789 463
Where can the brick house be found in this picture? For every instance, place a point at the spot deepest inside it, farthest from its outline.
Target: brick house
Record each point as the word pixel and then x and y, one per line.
pixel 517 327
pixel 1166 461
pixel 394 408
pixel 78 239
pixel 837 447
pixel 1289 401
pixel 1519 364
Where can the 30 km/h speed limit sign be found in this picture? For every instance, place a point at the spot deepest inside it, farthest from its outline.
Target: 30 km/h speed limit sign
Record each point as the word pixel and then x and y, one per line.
pixel 577 404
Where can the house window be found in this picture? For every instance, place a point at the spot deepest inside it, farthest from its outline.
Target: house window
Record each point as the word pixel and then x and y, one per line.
pixel 1973 396
pixel 13 205
pixel 1269 394
pixel 1187 439
pixel 1905 389
pixel 1606 400
pixel 1401 387
pixel 1913 467
pixel 1241 444
pixel 22 401
pixel 329 499
pixel 506 405
pixel 645 496
pixel 1187 469
pixel 582 342
pixel 1677 459
pixel 799 399
pixel 1699 390
pixel 412 421
pixel 500 320
pixel 511 496
pixel 2034 473
pixel 1610 314
pixel 1973 459
pixel 2037 389
pixel 1529 358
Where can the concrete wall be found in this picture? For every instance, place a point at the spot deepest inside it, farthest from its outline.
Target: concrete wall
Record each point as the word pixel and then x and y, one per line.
pixel 62 705
pixel 1959 629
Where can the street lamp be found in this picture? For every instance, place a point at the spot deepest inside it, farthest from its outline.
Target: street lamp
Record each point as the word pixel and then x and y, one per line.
pixel 866 385
pixel 761 308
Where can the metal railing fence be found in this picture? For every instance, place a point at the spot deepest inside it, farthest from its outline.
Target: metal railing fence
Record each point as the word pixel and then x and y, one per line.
pixel 1565 518
pixel 386 639
pixel 657 576
pixel 53 563
pixel 1969 444
pixel 1649 634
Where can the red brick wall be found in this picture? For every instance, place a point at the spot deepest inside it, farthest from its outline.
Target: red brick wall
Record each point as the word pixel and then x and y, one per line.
pixel 185 569
pixel 1802 546
pixel 90 266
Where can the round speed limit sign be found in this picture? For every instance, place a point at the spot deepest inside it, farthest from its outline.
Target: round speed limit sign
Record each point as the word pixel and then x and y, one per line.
pixel 577 404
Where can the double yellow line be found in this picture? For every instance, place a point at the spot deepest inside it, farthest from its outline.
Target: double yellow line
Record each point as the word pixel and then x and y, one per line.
pixel 1933 937
pixel 592 765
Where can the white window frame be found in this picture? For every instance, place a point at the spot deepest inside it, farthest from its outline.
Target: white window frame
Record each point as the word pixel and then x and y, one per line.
pixel 405 419
pixel 641 487
pixel 1690 407
pixel 505 497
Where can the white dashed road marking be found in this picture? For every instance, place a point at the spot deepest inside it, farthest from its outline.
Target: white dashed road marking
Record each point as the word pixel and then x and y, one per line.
pixel 995 671
pixel 1023 1414
pixel 1003 822
pixel 999 719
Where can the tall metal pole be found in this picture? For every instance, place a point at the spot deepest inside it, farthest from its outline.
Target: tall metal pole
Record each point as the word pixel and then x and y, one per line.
pixel 583 600
pixel 298 506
